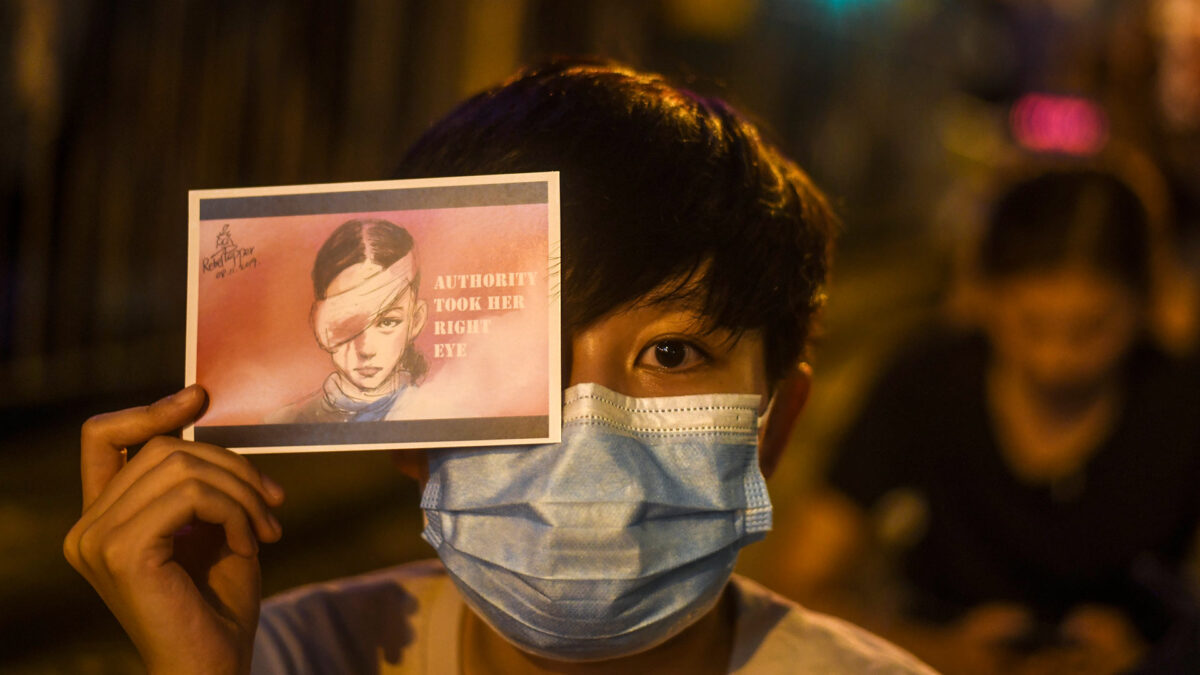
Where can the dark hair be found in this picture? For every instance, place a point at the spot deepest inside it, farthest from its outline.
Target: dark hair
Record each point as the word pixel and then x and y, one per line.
pixel 1069 216
pixel 657 184
pixel 355 241
pixel 379 241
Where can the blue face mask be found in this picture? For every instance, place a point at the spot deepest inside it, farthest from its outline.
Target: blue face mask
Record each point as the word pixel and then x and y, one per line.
pixel 612 541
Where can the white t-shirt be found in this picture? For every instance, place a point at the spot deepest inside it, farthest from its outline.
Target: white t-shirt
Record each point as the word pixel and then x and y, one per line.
pixel 406 619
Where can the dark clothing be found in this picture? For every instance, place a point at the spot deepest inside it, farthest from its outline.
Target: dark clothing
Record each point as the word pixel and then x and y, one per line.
pixel 1132 509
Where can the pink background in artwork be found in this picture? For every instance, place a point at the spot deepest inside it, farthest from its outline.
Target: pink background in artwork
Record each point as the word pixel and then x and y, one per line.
pixel 255 351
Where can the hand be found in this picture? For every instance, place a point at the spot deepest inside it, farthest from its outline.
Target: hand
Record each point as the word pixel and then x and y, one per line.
pixel 1094 640
pixel 170 538
pixel 979 643
pixel 1097 640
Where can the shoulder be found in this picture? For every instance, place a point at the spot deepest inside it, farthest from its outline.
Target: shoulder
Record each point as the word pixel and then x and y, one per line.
pixel 1159 431
pixel 935 371
pixel 775 635
pixel 349 624
pixel 1164 379
pixel 402 407
pixel 924 406
pixel 930 355
pixel 409 582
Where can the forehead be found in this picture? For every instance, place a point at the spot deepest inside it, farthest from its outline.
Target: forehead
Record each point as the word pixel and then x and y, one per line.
pixel 685 314
pixel 686 293
pixel 683 299
pixel 1080 279
pixel 353 277
pixel 403 302
pixel 369 275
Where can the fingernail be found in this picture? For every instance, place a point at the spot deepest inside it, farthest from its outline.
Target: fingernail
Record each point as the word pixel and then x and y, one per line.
pixel 274 490
pixel 275 525
pixel 184 394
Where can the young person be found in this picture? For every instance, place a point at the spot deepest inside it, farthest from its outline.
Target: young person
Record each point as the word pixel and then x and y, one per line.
pixel 366 314
pixel 1051 454
pixel 693 256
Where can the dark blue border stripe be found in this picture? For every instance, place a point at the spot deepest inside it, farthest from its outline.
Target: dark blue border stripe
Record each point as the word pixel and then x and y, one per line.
pixel 405 431
pixel 399 199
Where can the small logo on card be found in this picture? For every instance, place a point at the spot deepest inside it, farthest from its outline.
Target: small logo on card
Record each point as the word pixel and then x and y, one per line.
pixel 229 258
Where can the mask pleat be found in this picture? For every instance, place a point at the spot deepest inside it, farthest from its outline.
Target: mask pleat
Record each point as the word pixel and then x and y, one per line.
pixel 547 609
pixel 592 552
pixel 614 539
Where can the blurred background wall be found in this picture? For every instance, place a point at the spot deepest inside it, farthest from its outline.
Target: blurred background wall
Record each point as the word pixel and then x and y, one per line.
pixel 902 109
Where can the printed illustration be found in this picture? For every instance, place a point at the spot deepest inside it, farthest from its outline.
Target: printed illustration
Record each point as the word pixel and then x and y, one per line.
pixel 376 315
pixel 366 315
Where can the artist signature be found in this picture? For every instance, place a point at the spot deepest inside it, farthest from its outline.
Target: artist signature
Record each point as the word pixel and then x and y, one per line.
pixel 229 257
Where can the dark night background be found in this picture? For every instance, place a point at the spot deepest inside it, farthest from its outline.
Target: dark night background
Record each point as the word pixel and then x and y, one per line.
pixel 111 111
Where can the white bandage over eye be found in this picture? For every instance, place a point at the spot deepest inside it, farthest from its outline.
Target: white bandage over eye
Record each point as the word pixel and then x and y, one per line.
pixel 346 313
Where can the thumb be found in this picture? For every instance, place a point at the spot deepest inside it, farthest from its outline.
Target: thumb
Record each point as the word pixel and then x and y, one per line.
pixel 104 438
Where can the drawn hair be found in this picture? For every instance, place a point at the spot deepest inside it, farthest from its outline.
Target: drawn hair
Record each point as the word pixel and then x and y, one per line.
pixel 378 241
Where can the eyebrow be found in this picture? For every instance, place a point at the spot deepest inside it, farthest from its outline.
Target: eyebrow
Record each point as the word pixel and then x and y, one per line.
pixel 691 303
pixel 686 296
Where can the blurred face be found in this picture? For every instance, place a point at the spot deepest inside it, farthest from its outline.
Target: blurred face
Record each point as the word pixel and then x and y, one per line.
pixel 1062 331
pixel 369 359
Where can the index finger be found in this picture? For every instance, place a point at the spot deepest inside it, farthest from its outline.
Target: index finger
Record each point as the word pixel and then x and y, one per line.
pixel 104 438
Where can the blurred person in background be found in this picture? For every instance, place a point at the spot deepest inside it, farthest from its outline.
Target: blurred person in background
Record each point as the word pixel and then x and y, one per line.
pixel 1021 496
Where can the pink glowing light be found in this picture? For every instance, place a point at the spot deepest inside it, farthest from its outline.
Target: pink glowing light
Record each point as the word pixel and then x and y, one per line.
pixel 1065 124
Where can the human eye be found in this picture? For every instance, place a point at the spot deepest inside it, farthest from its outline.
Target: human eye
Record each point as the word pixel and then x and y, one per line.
pixel 389 322
pixel 672 354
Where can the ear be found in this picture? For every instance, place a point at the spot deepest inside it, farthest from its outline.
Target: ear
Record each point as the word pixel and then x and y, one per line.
pixel 418 319
pixel 790 396
pixel 412 463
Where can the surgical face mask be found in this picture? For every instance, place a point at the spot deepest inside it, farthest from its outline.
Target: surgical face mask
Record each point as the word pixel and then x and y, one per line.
pixel 612 541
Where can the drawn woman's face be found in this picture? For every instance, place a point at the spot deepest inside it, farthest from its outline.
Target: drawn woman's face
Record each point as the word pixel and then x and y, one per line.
pixel 369 359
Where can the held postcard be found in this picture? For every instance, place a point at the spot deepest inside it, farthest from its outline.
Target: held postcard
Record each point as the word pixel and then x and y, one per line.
pixel 390 314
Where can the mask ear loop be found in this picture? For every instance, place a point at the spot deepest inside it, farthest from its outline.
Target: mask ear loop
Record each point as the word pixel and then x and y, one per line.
pixel 783 409
pixel 761 420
